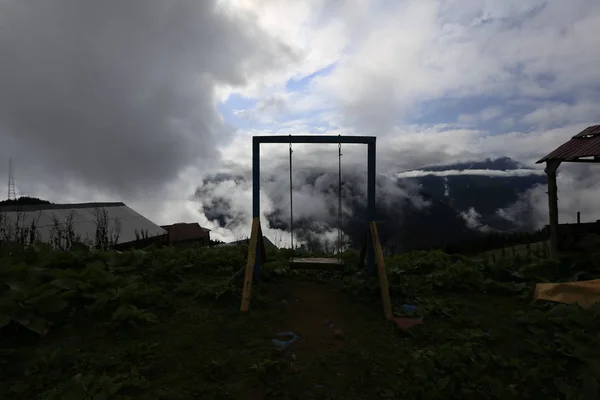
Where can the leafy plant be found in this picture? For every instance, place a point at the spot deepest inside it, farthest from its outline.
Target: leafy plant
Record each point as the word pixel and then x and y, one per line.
pixel 128 313
pixel 458 276
pixel 92 387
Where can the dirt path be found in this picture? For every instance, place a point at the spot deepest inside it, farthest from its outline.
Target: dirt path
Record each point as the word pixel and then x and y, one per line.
pixel 310 306
pixel 307 306
pixel 324 363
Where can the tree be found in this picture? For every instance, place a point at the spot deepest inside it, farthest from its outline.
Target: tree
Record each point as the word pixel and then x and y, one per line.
pixel 24 201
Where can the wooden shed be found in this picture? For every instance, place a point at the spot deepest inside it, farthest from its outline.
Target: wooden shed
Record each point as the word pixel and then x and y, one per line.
pixel 582 148
pixel 187 233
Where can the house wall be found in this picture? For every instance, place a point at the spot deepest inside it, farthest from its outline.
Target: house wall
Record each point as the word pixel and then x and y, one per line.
pixel 176 236
pixel 571 236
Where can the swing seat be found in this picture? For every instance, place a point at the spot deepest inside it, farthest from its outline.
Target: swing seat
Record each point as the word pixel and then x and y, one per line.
pixel 317 263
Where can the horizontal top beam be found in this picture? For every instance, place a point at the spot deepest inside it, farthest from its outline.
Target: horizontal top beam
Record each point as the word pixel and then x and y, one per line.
pixel 314 139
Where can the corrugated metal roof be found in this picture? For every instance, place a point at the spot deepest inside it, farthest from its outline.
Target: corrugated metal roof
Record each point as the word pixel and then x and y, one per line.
pixel 84 219
pixel 37 207
pixel 185 231
pixel 589 131
pixel 585 144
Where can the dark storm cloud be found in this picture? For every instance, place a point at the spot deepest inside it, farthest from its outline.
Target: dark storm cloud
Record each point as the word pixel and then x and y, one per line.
pixel 218 195
pixel 223 177
pixel 219 210
pixel 120 95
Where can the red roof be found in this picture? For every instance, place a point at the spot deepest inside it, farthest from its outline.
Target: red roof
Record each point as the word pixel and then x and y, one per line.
pixel 584 144
pixel 183 231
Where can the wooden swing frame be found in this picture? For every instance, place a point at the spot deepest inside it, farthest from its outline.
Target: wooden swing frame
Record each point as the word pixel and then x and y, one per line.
pixel 371 250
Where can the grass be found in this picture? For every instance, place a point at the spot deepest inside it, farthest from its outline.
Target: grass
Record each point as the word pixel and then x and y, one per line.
pixel 165 324
pixel 539 249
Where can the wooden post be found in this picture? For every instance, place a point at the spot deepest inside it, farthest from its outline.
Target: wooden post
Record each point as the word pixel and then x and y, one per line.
pixel 381 271
pixel 256 201
pixel 252 247
pixel 371 207
pixel 363 250
pixel 551 167
pixel 261 246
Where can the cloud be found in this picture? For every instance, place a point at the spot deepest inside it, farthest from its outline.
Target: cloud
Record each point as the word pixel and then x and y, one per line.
pixel 398 156
pixel 120 98
pixel 107 101
pixel 550 114
pixel 299 25
pixel 265 110
pixel 521 78
pixel 480 172
pixel 485 115
pixel 578 190
pixel 415 51
pixel 473 220
pixel 226 202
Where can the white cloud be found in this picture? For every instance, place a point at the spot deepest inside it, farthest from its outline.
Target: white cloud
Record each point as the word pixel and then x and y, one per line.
pixel 578 190
pixel 528 147
pixel 389 58
pixel 485 115
pixel 473 220
pixel 555 113
pixel 415 147
pixel 478 172
pixel 296 23
pixel 424 50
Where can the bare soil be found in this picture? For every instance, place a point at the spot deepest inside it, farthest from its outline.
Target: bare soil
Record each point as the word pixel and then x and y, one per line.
pixel 311 306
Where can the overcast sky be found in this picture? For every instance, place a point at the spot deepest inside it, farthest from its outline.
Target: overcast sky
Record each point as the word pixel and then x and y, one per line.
pixel 140 100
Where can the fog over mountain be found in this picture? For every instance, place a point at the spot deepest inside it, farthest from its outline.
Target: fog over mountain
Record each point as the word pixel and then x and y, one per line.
pixel 445 203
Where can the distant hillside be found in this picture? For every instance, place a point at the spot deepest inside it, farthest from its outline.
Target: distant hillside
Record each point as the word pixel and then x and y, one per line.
pixel 498 164
pixel 435 226
pixel 464 207
pixel 484 194
pixel 433 207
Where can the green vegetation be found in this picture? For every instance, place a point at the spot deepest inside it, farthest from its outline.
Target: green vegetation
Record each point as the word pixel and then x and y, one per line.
pixel 164 324
pixel 24 201
pixel 496 241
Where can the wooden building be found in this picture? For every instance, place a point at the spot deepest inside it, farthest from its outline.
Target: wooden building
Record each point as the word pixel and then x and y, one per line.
pixel 582 148
pixel 187 233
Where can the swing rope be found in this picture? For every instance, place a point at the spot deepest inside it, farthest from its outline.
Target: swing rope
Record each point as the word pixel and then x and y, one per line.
pixel 340 201
pixel 339 216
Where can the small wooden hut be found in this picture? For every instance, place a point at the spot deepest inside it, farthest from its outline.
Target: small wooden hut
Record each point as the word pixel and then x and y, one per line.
pixel 582 148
